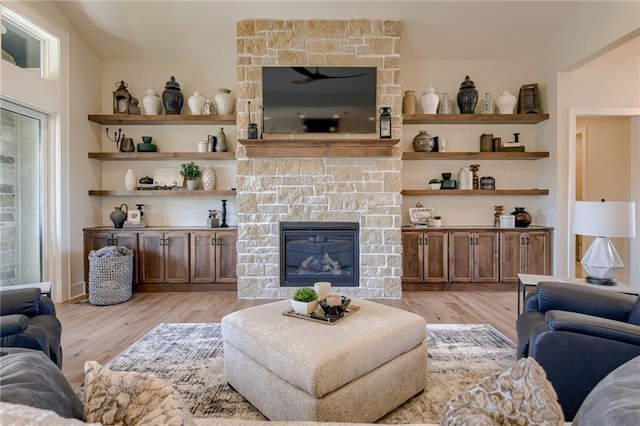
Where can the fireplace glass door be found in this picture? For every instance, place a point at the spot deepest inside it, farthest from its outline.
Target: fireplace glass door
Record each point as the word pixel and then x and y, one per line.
pixel 319 251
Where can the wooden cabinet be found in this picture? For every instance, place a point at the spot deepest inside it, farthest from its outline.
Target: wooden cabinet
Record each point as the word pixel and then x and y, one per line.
pixel 98 239
pixel 467 258
pixel 473 257
pixel 164 257
pixel 173 258
pixel 213 257
pixel 528 252
pixel 425 257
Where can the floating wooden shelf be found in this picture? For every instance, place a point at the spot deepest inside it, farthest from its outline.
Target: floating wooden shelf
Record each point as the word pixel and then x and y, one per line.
pixel 474 118
pixel 161 119
pixel 314 148
pixel 474 155
pixel 475 192
pixel 160 193
pixel 136 156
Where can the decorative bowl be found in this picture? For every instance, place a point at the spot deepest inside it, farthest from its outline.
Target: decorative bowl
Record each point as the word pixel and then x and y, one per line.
pixel 334 311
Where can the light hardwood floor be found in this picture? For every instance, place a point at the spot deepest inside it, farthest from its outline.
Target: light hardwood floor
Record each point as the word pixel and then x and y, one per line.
pixel 101 332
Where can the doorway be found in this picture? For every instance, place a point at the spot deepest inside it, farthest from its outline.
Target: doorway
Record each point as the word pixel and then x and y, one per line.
pixel 21 180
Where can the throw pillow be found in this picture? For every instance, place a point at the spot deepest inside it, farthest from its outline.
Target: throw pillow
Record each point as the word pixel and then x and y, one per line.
pixel 127 398
pixel 615 400
pixel 521 395
pixel 29 377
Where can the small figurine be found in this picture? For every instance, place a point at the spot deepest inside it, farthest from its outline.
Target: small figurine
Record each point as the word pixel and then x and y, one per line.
pixel 134 109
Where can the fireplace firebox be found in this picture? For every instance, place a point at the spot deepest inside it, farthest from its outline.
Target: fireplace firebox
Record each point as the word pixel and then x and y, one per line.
pixel 319 251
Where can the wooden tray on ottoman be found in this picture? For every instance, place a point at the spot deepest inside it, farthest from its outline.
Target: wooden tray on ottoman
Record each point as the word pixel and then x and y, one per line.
pixel 316 317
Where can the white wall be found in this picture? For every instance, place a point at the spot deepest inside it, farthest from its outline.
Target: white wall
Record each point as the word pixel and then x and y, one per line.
pixel 79 88
pixel 207 75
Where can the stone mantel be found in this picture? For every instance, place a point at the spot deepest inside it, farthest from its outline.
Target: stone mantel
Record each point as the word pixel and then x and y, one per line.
pixel 315 148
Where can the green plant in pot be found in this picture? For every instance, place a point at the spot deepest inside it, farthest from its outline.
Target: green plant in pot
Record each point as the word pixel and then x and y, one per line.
pixel 190 171
pixel 304 301
pixel 435 183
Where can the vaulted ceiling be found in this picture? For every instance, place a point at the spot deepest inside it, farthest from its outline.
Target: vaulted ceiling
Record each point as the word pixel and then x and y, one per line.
pixel 183 30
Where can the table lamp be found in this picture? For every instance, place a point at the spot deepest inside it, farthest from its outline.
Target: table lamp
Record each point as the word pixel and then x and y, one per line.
pixel 603 220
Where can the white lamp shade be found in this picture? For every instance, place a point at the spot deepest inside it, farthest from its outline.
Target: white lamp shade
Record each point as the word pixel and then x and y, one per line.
pixel 613 219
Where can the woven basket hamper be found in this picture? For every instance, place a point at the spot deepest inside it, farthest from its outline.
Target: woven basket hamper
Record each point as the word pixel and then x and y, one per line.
pixel 110 278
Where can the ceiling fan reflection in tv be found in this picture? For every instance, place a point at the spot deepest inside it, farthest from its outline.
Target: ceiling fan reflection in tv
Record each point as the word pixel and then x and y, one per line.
pixel 325 100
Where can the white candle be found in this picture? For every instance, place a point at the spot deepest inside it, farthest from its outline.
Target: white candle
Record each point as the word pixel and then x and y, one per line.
pixel 323 288
pixel 334 300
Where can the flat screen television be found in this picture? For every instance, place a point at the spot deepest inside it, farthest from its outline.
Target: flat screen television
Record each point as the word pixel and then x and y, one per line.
pixel 319 99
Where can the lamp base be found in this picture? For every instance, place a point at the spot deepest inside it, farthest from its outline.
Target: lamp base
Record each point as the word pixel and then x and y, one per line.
pixel 601 281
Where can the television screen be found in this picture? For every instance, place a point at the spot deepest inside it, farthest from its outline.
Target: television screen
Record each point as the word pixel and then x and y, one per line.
pixel 319 99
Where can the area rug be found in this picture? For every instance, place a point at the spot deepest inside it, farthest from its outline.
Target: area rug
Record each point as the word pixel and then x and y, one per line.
pixel 190 357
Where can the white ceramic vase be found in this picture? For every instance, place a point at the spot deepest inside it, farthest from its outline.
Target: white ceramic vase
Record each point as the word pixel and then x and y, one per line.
pixel 430 100
pixel 224 101
pixel 151 102
pixel 192 184
pixel 506 102
pixel 208 179
pixel 196 102
pixel 465 178
pixel 130 181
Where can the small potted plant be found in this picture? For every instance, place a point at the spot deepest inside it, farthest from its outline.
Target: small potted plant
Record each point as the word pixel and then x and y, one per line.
pixel 190 171
pixel 435 183
pixel 305 301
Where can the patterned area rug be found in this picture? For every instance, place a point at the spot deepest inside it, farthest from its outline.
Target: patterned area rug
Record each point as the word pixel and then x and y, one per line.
pixel 190 357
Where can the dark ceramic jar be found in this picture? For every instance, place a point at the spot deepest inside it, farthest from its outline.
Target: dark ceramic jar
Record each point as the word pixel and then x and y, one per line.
pixel 523 218
pixel 172 97
pixel 467 96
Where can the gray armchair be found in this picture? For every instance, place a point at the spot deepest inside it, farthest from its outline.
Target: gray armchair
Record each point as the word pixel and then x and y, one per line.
pixel 28 320
pixel 578 335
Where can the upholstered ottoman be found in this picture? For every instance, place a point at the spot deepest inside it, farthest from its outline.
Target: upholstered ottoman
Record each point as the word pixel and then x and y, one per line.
pixel 356 370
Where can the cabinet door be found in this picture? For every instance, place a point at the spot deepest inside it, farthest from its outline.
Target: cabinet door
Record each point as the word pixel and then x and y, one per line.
pixel 538 252
pixel 93 240
pixel 412 252
pixel 435 257
pixel 226 257
pixel 129 240
pixel 485 260
pixel 511 255
pixel 460 257
pixel 151 259
pixel 176 257
pixel 203 257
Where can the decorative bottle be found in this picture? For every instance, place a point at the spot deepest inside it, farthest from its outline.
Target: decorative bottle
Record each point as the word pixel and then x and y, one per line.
pixel 224 102
pixel 151 102
pixel 445 106
pixel 208 179
pixel 196 102
pixel 506 102
pixel 486 104
pixel 475 179
pixel 523 218
pixel 130 181
pixel 409 102
pixel 208 108
pixel 172 97
pixel 430 100
pixel 221 145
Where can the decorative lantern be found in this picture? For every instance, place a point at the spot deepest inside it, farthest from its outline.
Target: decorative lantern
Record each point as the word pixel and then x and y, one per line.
pixel 385 123
pixel 121 98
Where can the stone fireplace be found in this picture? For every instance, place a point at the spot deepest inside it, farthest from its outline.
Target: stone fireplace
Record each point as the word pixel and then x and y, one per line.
pixel 280 185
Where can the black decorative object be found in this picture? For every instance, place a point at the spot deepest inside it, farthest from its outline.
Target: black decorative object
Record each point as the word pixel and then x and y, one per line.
pixel 118 216
pixel 172 97
pixel 467 96
pixel 487 182
pixel 224 215
pixel 335 311
pixel 385 123
pixel 140 206
pixel 523 218
pixel 117 137
pixel 252 129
